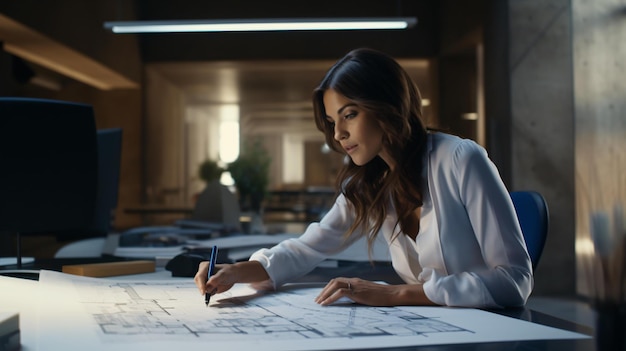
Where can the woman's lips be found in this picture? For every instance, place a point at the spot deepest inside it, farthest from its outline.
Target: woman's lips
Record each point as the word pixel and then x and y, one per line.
pixel 350 148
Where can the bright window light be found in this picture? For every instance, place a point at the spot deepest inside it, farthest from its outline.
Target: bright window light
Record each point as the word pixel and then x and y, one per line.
pixel 229 141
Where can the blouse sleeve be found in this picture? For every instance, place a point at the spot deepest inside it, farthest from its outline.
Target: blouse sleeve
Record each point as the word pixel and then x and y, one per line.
pixel 293 258
pixel 503 277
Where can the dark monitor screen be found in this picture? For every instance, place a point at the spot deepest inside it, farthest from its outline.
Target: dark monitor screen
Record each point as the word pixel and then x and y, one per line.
pixel 109 160
pixel 48 165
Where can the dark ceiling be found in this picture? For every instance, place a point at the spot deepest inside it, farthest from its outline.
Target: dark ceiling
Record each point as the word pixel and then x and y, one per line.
pixel 417 42
pixel 273 73
pixel 265 73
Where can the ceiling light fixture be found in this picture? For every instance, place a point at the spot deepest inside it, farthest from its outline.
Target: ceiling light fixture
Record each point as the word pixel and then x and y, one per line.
pixel 255 25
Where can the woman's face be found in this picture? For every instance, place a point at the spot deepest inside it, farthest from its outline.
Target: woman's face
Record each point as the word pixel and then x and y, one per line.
pixel 355 129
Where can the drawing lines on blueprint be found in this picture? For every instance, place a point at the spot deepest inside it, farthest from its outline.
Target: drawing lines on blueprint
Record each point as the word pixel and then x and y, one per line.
pixel 156 310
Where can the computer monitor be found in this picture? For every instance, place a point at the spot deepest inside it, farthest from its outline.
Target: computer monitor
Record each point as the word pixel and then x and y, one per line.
pixel 48 166
pixel 109 161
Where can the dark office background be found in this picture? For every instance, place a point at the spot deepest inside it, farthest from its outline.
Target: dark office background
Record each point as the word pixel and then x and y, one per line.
pixel 542 76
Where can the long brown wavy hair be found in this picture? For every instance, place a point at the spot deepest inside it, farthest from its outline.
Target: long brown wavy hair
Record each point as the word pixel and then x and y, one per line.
pixel 379 85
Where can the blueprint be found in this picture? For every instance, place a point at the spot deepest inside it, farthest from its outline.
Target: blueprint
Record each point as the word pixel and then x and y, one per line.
pixel 160 314
pixel 157 309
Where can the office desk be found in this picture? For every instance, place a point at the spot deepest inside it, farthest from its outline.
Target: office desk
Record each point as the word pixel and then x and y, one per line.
pixel 158 209
pixel 384 272
pixel 378 272
pixel 305 205
pixel 149 211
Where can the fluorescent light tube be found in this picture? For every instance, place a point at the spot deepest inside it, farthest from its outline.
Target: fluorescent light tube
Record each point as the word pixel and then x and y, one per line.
pixel 256 25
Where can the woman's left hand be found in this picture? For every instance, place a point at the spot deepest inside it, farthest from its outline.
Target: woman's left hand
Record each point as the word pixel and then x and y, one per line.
pixel 369 293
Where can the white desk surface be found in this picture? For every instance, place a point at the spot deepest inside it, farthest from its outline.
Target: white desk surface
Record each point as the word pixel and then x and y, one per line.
pixel 21 295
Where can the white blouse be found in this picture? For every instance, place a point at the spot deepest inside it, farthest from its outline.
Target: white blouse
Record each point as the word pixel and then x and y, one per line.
pixel 469 251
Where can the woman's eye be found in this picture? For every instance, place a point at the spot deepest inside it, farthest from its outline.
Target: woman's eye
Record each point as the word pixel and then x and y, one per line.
pixel 350 115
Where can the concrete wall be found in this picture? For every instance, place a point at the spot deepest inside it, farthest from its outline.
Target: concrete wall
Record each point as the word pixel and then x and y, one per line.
pixel 529 109
pixel 542 127
pixel 599 29
pixel 568 125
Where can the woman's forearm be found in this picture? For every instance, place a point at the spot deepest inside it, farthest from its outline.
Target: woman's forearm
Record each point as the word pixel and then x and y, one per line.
pixel 250 272
pixel 373 294
pixel 411 294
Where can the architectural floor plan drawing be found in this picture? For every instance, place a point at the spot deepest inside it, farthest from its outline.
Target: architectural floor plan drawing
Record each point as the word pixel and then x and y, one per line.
pixel 158 309
pixel 163 314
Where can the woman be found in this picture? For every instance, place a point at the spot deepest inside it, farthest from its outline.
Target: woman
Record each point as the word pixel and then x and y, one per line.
pixel 437 200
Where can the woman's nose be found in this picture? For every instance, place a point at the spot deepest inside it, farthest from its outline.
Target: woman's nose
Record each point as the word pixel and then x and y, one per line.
pixel 340 132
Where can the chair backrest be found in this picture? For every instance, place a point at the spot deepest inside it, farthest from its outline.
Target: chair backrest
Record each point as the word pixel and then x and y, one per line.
pixel 217 204
pixel 532 213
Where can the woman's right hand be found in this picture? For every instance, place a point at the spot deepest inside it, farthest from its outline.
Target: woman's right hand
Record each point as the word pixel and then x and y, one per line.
pixel 227 275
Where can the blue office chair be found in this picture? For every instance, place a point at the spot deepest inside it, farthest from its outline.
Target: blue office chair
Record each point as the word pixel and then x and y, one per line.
pixel 532 213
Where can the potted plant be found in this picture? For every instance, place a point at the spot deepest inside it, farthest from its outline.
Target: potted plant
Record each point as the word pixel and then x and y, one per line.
pixel 250 171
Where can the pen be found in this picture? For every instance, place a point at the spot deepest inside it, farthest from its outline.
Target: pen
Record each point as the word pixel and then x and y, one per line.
pixel 207 295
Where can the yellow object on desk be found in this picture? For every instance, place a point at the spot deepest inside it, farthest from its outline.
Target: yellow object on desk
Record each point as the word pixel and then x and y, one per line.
pixel 109 269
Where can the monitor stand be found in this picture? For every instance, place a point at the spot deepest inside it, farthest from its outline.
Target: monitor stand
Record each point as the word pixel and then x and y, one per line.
pixel 18 260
